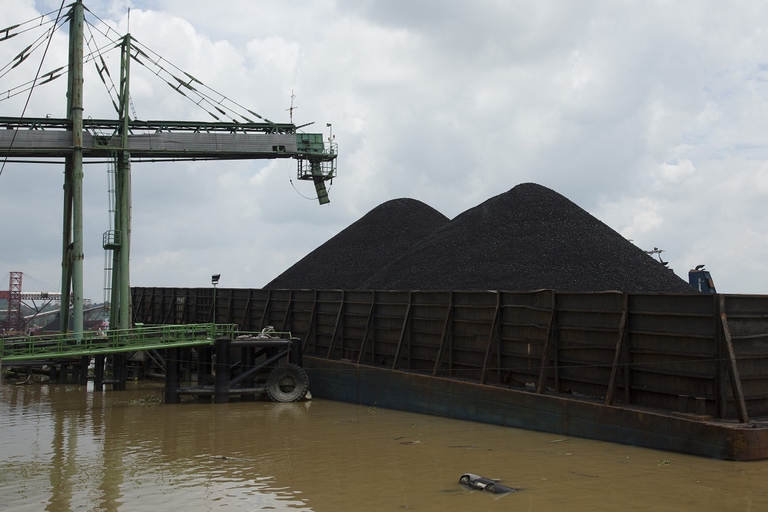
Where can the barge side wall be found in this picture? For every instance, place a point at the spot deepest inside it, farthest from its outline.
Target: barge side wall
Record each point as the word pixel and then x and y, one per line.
pixel 684 353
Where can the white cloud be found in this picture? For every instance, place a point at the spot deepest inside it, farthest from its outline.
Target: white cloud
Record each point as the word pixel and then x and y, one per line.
pixel 674 172
pixel 648 114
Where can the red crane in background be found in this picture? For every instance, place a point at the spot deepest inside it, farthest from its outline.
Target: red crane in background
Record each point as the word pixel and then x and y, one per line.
pixel 15 321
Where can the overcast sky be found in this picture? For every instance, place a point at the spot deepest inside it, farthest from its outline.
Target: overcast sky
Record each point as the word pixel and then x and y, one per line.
pixel 652 116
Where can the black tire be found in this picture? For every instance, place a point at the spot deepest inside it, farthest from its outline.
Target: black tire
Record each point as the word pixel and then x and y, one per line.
pixel 287 383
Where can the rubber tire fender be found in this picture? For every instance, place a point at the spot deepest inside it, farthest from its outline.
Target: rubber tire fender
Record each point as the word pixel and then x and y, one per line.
pixel 287 383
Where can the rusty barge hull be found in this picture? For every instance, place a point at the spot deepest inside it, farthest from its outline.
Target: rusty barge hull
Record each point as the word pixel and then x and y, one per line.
pixel 678 372
pixel 348 382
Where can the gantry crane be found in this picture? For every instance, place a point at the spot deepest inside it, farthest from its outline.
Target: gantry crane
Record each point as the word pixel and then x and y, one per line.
pixel 127 140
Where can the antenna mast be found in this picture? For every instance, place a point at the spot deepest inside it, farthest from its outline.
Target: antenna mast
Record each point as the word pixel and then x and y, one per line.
pixel 291 108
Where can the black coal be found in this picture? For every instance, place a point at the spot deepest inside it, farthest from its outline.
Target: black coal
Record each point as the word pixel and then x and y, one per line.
pixel 527 238
pixel 374 241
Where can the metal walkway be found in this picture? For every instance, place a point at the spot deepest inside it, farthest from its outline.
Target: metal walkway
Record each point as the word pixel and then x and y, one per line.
pixel 54 346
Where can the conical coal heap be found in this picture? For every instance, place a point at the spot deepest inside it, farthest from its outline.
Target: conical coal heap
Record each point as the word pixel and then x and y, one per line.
pixel 528 238
pixel 374 241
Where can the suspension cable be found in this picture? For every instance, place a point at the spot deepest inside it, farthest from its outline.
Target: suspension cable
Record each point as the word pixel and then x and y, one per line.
pixel 41 20
pixel 26 52
pixel 192 86
pixel 97 57
pixel 29 97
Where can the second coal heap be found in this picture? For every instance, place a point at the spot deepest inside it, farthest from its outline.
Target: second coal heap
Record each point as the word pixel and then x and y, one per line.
pixel 528 238
pixel 349 258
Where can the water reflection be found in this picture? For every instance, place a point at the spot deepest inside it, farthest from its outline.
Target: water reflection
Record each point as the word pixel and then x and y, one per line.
pixel 65 448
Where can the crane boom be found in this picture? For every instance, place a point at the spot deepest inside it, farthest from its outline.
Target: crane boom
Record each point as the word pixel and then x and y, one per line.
pixel 174 140
pixel 125 140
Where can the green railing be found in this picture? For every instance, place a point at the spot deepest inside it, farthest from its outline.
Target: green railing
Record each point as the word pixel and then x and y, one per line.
pixel 25 348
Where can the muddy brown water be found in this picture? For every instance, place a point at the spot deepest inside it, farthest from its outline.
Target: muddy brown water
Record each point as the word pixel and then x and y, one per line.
pixel 67 448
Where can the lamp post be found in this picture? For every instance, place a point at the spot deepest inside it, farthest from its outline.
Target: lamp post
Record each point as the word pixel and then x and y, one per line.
pixel 214 282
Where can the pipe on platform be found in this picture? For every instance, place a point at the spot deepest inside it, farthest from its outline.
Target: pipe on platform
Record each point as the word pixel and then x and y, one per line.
pixel 84 362
pixel 172 376
pixel 222 383
pixel 98 378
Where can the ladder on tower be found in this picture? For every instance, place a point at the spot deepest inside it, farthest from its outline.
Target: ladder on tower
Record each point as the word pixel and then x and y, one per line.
pixel 111 239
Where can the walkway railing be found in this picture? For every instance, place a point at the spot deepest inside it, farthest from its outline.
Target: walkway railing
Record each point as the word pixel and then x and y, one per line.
pixel 25 348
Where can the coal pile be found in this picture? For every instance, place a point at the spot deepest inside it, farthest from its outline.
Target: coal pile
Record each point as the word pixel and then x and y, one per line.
pixel 528 238
pixel 373 242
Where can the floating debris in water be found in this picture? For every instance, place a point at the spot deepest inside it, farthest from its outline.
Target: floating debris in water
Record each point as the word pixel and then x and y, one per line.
pixel 484 484
pixel 147 400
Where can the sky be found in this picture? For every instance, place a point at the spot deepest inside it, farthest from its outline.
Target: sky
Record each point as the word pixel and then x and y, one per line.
pixel 650 115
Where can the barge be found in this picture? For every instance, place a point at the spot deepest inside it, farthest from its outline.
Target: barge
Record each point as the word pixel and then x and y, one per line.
pixel 677 372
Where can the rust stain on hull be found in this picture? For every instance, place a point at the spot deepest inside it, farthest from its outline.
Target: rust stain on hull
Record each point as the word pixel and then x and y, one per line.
pixel 422 393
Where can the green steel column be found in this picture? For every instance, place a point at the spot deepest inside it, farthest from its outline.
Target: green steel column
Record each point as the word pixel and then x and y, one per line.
pixel 114 297
pixel 125 244
pixel 124 172
pixel 66 266
pixel 66 260
pixel 121 283
pixel 77 171
pixel 72 261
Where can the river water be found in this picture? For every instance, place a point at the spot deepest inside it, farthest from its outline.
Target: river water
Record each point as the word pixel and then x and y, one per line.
pixel 63 447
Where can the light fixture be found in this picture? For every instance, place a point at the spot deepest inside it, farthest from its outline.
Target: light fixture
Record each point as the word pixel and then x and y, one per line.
pixel 214 282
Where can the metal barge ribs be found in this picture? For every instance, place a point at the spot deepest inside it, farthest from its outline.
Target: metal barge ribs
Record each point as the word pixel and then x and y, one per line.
pixel 680 372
